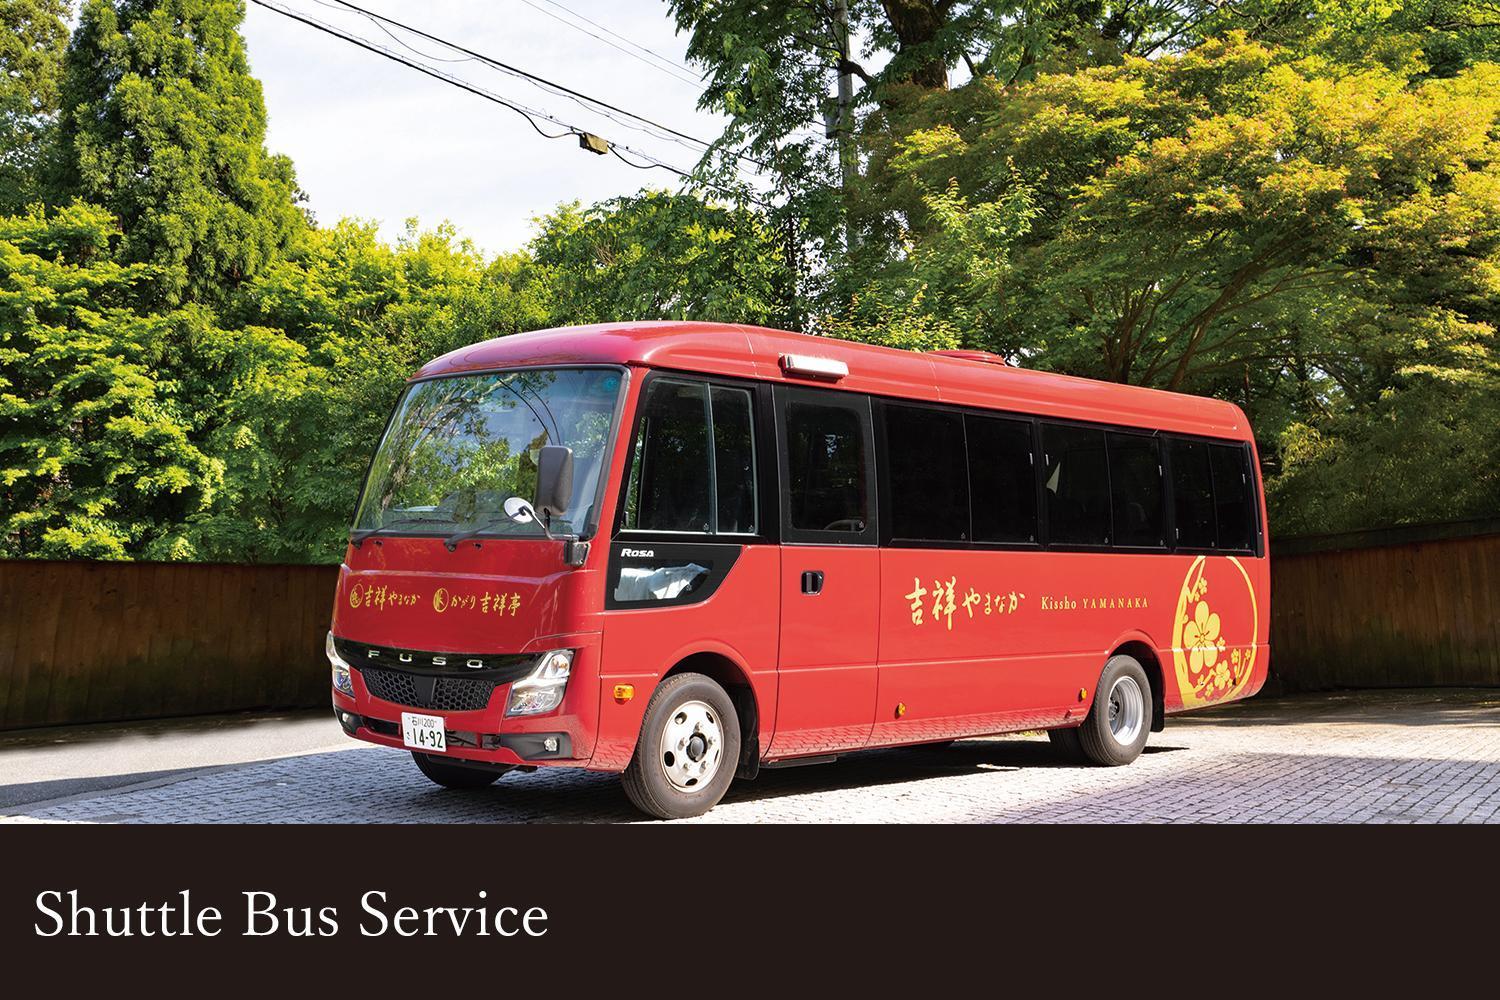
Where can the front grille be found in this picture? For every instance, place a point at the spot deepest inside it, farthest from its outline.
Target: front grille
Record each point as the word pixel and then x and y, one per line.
pixel 447 694
pixel 498 667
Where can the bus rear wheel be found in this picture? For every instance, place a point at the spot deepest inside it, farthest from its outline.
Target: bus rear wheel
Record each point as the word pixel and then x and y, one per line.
pixel 688 749
pixel 1115 731
pixel 458 776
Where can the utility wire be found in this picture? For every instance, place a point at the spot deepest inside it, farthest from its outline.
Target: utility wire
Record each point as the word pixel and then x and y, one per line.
pixel 530 114
pixel 584 100
pixel 657 55
pixel 696 84
pixel 814 133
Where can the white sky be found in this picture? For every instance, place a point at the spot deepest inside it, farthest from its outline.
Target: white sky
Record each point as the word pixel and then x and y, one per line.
pixel 376 140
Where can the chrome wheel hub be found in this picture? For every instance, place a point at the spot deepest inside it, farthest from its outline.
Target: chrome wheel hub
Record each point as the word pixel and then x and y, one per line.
pixel 692 746
pixel 1127 710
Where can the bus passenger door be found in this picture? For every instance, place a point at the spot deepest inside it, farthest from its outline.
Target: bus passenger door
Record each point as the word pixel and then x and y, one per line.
pixel 830 573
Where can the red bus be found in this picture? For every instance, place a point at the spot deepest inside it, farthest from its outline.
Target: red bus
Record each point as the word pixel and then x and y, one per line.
pixel 687 551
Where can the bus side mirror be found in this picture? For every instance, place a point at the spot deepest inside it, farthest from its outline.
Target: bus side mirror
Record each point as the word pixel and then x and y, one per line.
pixel 554 479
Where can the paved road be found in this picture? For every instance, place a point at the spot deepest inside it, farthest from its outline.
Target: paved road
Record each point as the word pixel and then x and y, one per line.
pixel 1384 757
pixel 44 764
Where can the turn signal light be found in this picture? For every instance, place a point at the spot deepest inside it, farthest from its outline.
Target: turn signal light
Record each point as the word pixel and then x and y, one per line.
pixel 624 692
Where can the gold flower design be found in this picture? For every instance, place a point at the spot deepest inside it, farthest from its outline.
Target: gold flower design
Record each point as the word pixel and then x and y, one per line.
pixel 1201 636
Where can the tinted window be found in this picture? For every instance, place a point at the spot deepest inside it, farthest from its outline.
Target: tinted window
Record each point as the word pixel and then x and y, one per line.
pixel 929 476
pixel 1135 490
pixel 1002 480
pixel 669 476
pixel 677 470
pixel 1076 487
pixel 734 460
pixel 826 462
pixel 1193 494
pixel 1233 496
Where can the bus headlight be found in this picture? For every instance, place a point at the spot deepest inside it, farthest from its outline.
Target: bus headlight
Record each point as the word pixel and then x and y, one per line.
pixel 342 682
pixel 542 689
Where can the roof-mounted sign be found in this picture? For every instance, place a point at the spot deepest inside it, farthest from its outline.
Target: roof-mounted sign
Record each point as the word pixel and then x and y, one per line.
pixel 811 367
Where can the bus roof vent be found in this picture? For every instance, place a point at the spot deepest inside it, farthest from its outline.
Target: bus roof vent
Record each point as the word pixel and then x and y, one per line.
pixel 983 357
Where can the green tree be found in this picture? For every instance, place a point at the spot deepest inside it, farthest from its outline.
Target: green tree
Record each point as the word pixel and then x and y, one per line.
pixel 33 36
pixel 163 124
pixel 353 317
pixel 1200 213
pixel 97 457
pixel 661 256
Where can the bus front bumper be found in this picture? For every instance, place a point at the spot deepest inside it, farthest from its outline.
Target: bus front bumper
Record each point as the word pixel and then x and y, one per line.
pixel 496 748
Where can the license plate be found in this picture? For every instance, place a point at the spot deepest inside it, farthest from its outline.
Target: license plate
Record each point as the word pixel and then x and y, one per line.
pixel 423 732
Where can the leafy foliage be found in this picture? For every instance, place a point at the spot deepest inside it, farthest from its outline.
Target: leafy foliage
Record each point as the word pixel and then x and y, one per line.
pixel 163 124
pixel 32 39
pixel 97 454
pixel 660 256
pixel 1294 204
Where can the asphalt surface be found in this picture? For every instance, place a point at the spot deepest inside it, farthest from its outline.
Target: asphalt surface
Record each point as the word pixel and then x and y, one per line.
pixel 38 765
pixel 1430 756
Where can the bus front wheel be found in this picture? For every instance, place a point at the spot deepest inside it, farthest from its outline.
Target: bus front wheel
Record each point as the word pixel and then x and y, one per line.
pixel 1117 725
pixel 688 749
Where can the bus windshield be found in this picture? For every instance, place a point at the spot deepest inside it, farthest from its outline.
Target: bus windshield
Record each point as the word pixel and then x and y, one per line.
pixel 459 447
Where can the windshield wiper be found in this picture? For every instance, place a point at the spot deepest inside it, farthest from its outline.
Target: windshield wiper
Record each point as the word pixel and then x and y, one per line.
pixel 527 514
pixel 357 537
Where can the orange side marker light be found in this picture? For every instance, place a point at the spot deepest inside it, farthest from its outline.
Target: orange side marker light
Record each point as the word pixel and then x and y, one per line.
pixel 1083 693
pixel 900 709
pixel 624 692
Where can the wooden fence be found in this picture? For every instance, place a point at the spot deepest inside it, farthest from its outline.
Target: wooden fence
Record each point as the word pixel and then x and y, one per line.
pixel 97 641
pixel 1401 607
pixel 92 642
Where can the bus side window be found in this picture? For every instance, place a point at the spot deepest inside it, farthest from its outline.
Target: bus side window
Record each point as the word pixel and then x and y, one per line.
pixel 1002 480
pixel 1234 493
pixel 734 461
pixel 927 465
pixel 1136 490
pixel 670 488
pixel 825 454
pixel 1193 494
pixel 693 463
pixel 1076 485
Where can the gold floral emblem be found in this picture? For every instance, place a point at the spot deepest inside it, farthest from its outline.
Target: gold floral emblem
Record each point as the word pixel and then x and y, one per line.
pixel 1201 638
pixel 1207 669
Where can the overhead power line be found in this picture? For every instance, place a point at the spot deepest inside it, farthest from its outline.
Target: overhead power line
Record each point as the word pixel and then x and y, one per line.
pixel 587 139
pixel 584 100
pixel 690 81
pixel 698 79
pixel 633 44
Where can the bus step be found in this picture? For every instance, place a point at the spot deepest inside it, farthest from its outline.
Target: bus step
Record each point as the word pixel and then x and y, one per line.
pixel 799 761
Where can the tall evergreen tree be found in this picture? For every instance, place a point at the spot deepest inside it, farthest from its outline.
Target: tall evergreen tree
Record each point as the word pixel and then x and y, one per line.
pixel 163 124
pixel 33 37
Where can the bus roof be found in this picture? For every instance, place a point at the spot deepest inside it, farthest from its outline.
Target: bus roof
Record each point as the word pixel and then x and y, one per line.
pixel 756 353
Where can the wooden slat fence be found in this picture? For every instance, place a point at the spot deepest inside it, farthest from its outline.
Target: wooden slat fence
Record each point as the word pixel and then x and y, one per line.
pixel 95 642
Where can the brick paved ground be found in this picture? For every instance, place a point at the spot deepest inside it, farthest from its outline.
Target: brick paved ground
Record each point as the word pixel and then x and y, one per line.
pixel 1382 757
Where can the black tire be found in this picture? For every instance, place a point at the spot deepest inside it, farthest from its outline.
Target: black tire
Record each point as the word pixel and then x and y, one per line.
pixel 463 777
pixel 1065 742
pixel 1104 743
pixel 695 706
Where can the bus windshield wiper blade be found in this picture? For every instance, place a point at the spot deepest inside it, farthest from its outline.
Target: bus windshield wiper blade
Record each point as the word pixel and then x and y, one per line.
pixel 356 537
pixel 453 540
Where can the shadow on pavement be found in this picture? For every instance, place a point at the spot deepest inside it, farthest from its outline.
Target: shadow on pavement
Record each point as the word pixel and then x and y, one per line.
pixel 29 792
pixel 1413 707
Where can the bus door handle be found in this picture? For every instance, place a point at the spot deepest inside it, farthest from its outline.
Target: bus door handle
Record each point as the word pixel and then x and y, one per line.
pixel 812 581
